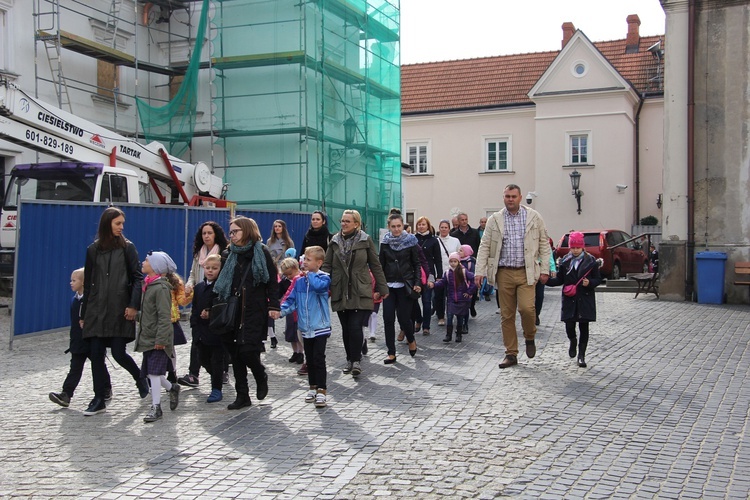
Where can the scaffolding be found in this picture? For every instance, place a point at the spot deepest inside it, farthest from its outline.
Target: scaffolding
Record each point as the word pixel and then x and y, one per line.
pixel 305 94
pixel 307 104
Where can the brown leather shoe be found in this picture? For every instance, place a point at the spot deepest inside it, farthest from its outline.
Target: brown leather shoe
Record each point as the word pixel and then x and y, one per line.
pixel 530 349
pixel 509 361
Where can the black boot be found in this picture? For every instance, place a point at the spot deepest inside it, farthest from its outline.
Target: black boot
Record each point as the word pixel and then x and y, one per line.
pixel 466 329
pixel 459 332
pixel 582 355
pixel 572 349
pixel 241 401
pixel 448 334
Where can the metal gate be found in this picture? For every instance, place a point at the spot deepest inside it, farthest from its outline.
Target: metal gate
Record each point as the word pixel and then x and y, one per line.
pixel 52 241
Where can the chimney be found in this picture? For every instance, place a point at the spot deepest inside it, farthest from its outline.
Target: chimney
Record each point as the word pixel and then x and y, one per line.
pixel 634 38
pixel 568 31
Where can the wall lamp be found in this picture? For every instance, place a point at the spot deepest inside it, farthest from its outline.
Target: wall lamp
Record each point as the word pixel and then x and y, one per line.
pixel 336 154
pixel 575 183
pixel 658 201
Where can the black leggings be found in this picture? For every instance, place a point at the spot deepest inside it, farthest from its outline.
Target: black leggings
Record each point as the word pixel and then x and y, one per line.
pixel 351 331
pixel 583 326
pixel 99 366
pixel 397 304
pixel 242 360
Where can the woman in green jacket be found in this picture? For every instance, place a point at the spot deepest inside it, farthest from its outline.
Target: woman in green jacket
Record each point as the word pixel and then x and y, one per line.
pixel 350 258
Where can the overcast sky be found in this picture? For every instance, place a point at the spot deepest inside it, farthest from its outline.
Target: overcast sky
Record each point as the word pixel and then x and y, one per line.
pixel 439 30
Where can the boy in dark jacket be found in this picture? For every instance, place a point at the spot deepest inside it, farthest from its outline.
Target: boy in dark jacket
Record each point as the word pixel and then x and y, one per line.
pixel 210 348
pixel 79 348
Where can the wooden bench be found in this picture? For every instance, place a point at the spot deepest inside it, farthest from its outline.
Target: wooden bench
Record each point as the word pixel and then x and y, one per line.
pixel 742 273
pixel 647 283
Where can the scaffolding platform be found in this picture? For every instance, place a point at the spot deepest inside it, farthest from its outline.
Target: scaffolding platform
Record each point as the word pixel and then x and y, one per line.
pixel 102 52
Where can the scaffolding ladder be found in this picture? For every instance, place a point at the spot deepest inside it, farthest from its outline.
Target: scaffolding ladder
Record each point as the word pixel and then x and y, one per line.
pixel 47 31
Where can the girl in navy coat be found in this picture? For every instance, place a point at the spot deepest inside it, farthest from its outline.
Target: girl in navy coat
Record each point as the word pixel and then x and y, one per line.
pixel 579 269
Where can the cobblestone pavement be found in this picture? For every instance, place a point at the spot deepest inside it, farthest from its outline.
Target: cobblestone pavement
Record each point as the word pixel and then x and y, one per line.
pixel 661 411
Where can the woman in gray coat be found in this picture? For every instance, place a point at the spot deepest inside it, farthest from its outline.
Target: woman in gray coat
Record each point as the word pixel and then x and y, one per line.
pixel 111 299
pixel 350 258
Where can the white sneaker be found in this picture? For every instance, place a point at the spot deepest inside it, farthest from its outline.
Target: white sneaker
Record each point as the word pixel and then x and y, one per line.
pixel 320 400
pixel 310 396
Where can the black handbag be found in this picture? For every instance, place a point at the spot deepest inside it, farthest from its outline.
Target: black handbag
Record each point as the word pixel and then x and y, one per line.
pixel 223 316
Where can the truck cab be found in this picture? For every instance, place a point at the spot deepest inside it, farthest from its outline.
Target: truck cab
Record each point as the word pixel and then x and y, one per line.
pixel 64 181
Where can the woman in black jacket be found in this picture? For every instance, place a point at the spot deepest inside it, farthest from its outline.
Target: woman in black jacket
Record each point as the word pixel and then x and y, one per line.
pixel 431 250
pixel 399 258
pixel 250 271
pixel 111 299
pixel 317 234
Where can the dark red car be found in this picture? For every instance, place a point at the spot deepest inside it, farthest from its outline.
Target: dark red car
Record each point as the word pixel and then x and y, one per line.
pixel 624 259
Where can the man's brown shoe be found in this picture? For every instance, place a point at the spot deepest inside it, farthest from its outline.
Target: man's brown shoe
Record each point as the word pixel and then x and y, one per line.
pixel 509 361
pixel 530 349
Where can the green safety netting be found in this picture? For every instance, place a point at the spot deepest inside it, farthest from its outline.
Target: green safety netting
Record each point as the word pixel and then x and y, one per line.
pixel 307 104
pixel 173 124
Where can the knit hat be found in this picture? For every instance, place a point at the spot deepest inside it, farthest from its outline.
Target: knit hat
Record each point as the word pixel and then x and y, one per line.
pixel 290 252
pixel 575 240
pixel 454 255
pixel 161 262
pixel 468 251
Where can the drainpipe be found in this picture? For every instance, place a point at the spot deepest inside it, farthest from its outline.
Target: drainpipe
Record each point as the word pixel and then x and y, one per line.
pixel 642 98
pixel 690 277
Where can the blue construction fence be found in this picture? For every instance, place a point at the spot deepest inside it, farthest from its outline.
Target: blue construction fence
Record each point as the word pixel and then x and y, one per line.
pixel 53 237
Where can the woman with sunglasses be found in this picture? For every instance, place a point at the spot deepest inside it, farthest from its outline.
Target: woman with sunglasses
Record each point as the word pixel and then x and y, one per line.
pixel 249 271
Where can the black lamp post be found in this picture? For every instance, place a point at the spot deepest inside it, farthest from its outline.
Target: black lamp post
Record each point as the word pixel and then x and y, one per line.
pixel 575 182
pixel 658 201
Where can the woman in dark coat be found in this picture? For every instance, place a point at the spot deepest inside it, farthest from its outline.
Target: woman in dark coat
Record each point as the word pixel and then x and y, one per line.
pixel 248 258
pixel 581 269
pixel 317 234
pixel 431 250
pixel 111 299
pixel 399 258
pixel 349 260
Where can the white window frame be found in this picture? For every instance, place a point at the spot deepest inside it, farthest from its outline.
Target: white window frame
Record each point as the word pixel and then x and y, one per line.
pixel 497 139
pixel 570 138
pixel 426 144
pixel 6 35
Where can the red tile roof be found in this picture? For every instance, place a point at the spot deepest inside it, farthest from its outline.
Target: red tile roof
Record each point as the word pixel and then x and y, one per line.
pixel 491 82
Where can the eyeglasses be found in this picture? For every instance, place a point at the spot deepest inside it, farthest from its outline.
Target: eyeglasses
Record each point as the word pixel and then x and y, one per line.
pixel 234 231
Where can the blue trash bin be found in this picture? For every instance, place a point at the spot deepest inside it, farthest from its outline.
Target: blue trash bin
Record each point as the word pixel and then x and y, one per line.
pixel 710 270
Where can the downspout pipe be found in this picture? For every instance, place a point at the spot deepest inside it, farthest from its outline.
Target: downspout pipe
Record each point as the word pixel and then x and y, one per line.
pixel 641 98
pixel 690 276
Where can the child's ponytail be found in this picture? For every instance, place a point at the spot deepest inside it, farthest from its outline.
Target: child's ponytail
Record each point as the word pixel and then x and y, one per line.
pixel 460 274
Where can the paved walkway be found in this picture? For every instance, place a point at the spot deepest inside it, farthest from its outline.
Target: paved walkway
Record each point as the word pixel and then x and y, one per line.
pixel 662 411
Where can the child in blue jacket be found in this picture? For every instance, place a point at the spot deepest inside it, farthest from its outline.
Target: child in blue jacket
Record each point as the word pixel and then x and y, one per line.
pixel 309 297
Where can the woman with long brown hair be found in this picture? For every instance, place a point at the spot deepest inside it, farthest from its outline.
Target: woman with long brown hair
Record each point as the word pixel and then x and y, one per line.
pixel 111 299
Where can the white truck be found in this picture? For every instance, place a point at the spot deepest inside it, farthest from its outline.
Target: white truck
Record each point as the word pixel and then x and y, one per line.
pixel 95 164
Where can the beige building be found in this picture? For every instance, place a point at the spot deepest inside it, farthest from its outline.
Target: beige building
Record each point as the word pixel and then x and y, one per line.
pixel 470 127
pixel 706 142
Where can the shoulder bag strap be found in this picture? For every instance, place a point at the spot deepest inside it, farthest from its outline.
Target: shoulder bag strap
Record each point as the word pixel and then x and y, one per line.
pixel 444 249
